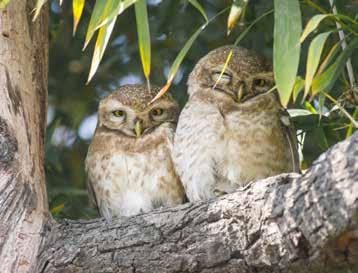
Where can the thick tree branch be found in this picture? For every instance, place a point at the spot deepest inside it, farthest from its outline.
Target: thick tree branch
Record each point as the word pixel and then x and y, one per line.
pixel 289 223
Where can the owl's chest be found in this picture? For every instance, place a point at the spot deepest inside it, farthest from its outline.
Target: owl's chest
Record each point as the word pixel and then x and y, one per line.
pixel 253 147
pixel 123 170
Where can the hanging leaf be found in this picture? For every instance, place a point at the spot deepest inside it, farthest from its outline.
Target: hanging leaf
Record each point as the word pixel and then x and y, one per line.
pixel 237 11
pixel 312 25
pixel 121 6
pixel 298 87
pixel 103 13
pixel 313 58
pixel 178 60
pixel 330 56
pixel 77 7
pixel 238 39
pixel 141 15
pixel 3 3
pixel 326 80
pixel 97 15
pixel 199 7
pixel 286 53
pixel 37 8
pixel 101 43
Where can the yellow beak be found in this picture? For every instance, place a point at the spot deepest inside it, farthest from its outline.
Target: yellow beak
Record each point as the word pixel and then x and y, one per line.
pixel 240 93
pixel 138 129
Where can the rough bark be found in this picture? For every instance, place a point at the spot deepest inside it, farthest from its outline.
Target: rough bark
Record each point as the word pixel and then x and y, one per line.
pixel 287 223
pixel 23 96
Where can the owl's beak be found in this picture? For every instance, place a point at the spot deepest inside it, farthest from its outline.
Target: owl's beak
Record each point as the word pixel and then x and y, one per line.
pixel 138 129
pixel 240 93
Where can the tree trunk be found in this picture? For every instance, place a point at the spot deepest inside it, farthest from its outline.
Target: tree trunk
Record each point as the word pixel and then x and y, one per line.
pixel 287 223
pixel 23 98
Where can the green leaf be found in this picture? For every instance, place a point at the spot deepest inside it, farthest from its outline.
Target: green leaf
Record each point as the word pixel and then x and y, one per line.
pixel 313 24
pixel 329 57
pixel 38 7
pixel 286 52
pixel 298 87
pixel 180 57
pixel 199 7
pixel 57 209
pixel 77 8
pixel 101 43
pixel 3 3
pixel 103 13
pixel 177 62
pixel 237 11
pixel 313 58
pixel 244 33
pixel 121 6
pixel 97 15
pixel 141 15
pixel 326 80
pixel 310 107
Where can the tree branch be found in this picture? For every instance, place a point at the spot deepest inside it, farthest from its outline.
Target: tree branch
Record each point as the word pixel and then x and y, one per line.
pixel 299 223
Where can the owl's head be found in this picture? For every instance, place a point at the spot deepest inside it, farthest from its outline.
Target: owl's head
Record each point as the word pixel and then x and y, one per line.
pixel 246 76
pixel 128 110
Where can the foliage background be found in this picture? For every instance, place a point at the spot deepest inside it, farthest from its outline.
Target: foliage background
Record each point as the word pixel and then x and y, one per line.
pixel 73 104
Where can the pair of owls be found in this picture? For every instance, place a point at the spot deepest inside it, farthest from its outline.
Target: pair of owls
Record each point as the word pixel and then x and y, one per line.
pixel 230 132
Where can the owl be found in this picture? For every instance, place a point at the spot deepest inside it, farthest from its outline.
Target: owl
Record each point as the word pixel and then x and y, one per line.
pixel 233 129
pixel 129 166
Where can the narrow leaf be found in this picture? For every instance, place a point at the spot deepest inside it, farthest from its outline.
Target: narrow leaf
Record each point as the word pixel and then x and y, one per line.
pixel 286 53
pixel 178 60
pixel 3 3
pixel 199 7
pixel 38 7
pixel 326 80
pixel 228 59
pixel 77 7
pixel 312 25
pixel 141 15
pixel 297 88
pixel 101 43
pixel 120 7
pixel 96 16
pixel 237 10
pixel 58 208
pixel 313 58
pixel 103 13
pixel 330 56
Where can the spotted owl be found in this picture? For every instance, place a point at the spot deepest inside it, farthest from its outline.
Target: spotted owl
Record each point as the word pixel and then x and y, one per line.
pixel 233 129
pixel 129 166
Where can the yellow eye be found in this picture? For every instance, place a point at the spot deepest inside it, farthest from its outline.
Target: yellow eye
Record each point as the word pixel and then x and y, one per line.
pixel 157 111
pixel 260 82
pixel 118 113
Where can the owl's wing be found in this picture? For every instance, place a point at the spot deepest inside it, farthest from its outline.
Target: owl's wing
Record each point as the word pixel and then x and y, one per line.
pixel 91 194
pixel 195 147
pixel 290 134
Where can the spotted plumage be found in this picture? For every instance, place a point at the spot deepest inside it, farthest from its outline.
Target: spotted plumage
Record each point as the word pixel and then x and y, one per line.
pixel 129 166
pixel 232 130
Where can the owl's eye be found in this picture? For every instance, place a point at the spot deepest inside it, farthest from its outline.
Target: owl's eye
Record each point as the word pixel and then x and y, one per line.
pixel 157 112
pixel 118 113
pixel 260 82
pixel 224 78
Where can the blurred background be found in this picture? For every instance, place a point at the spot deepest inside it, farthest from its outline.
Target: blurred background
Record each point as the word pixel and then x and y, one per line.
pixel 73 104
